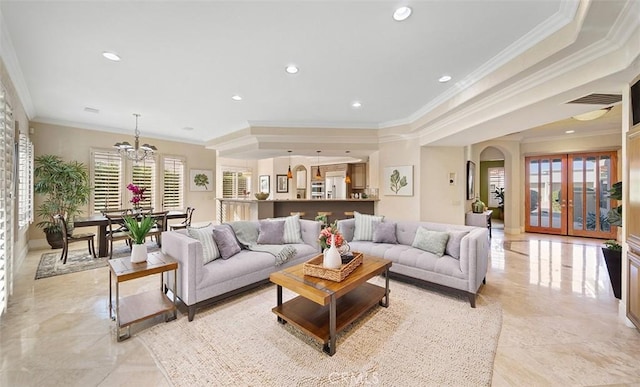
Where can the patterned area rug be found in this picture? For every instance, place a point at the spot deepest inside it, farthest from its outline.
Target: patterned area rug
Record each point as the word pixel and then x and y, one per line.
pixel 423 338
pixel 79 260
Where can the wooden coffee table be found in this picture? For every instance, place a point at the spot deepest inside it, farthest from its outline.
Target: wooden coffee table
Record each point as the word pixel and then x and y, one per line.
pixel 323 307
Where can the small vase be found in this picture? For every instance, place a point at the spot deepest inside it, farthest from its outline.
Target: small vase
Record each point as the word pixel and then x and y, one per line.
pixel 138 253
pixel 478 206
pixel 332 258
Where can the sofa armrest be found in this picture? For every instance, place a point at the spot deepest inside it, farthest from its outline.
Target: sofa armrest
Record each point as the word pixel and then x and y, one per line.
pixel 310 230
pixel 188 252
pixel 474 256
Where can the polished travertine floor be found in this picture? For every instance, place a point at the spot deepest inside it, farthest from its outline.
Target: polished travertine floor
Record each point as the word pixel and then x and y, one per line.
pixel 560 323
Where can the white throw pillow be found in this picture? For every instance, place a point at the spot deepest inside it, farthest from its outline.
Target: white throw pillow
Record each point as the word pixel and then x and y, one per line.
pixel 205 236
pixel 365 226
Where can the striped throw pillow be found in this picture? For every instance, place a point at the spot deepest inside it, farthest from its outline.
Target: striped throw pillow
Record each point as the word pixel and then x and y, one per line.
pixel 205 236
pixel 364 226
pixel 292 232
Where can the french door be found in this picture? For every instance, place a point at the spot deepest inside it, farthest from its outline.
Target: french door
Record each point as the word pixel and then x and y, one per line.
pixel 568 194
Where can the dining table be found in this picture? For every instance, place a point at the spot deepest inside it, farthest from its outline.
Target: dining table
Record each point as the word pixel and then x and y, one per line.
pixel 101 222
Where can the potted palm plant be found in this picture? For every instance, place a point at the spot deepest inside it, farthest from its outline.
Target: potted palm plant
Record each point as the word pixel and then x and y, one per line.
pixel 65 185
pixel 499 194
pixel 138 231
pixel 612 250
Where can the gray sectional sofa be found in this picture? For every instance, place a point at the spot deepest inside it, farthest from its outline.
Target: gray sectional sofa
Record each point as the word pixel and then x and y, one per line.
pixel 462 267
pixel 201 283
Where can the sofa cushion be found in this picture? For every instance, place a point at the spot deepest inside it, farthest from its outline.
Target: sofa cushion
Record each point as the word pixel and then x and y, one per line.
pixel 385 232
pixel 364 226
pixel 271 232
pixel 454 242
pixel 226 240
pixel 205 236
pixel 431 241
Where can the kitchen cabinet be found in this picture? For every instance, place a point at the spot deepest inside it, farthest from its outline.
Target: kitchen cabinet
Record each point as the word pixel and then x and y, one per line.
pixel 359 176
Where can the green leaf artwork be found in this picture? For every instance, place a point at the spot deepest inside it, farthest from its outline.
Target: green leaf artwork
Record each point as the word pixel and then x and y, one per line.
pixel 397 182
pixel 201 180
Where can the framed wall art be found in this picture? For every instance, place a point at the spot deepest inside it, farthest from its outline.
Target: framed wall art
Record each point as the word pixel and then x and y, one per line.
pixel 471 180
pixel 200 180
pixel 282 184
pixel 265 183
pixel 398 181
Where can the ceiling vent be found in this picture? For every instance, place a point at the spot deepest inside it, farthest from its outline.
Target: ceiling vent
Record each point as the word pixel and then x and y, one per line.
pixel 598 99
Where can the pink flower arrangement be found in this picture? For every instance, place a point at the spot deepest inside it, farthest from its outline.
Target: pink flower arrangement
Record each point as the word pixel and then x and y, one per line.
pixel 325 236
pixel 138 194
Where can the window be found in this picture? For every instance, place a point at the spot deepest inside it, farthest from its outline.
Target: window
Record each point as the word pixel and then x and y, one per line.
pixel 496 180
pixel 143 174
pixel 173 183
pixel 107 181
pixel 25 180
pixel 7 149
pixel 236 183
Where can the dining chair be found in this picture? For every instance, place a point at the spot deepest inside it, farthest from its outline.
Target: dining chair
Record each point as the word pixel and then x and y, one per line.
pixel 68 238
pixel 186 222
pixel 116 231
pixel 159 226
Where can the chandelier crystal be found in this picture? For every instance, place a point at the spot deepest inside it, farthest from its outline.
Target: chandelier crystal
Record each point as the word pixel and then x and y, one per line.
pixel 135 152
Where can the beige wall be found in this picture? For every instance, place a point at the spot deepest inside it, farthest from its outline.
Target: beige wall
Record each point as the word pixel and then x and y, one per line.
pixel 399 153
pixel 440 201
pixel 75 144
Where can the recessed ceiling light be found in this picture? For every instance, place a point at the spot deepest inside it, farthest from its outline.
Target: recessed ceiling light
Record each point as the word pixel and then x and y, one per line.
pixel 292 69
pixel 111 56
pixel 187 128
pixel 444 78
pixel 236 97
pixel 356 104
pixel 569 131
pixel 592 115
pixel 402 13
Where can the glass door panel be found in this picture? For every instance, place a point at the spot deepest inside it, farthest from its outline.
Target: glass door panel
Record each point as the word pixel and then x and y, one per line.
pixel 546 199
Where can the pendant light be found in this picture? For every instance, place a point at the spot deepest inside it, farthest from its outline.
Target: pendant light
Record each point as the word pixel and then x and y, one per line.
pixel 289 173
pixel 347 179
pixel 318 174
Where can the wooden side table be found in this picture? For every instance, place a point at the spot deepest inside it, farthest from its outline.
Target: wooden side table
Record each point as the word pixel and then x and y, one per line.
pixel 138 307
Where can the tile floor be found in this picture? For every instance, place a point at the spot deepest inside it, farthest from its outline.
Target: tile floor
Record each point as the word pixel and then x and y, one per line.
pixel 560 323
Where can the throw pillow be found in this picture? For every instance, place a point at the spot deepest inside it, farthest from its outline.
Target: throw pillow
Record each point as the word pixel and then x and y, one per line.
pixel 453 244
pixel 271 232
pixel 385 232
pixel 433 242
pixel 364 226
pixel 292 232
pixel 226 241
pixel 205 236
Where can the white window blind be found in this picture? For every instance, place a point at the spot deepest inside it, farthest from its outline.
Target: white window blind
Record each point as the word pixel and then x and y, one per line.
pixel 106 167
pixel 25 181
pixel 496 180
pixel 236 183
pixel 7 150
pixel 173 183
pixel 143 174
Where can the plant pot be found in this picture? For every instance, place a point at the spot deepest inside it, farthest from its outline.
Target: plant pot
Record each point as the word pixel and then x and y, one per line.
pixel 138 253
pixel 613 259
pixel 54 238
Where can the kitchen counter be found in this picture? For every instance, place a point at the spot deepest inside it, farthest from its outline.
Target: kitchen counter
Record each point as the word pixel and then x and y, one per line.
pixel 309 208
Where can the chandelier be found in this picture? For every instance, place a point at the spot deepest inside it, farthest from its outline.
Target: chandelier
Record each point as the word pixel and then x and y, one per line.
pixel 135 152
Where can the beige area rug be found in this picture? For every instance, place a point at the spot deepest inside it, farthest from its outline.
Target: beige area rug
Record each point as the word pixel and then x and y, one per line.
pixel 79 260
pixel 423 338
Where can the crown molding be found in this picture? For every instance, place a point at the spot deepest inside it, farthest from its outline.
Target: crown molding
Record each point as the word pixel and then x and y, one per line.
pixel 10 59
pixel 313 125
pixel 567 136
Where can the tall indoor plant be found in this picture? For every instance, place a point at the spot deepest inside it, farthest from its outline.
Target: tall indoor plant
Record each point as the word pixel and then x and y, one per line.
pixel 612 250
pixel 66 187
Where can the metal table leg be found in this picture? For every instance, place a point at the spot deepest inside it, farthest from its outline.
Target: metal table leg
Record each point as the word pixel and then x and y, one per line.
pixel 279 300
pixel 330 347
pixel 385 301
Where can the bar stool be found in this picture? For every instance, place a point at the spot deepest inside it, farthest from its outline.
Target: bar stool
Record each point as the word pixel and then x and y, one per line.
pixel 326 215
pixel 348 214
pixel 298 213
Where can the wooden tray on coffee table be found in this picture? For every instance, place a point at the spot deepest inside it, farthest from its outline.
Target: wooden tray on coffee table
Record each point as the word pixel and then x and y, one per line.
pixel 314 268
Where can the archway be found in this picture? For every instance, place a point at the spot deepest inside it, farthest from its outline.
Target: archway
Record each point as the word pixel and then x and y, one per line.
pixel 299 182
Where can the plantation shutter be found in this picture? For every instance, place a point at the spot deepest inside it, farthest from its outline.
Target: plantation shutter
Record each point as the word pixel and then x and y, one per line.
pixel 25 181
pixel 173 183
pixel 143 174
pixel 107 181
pixel 7 177
pixel 235 183
pixel 496 180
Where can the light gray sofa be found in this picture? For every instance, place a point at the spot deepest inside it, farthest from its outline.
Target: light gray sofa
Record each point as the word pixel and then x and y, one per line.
pixel 201 284
pixel 464 274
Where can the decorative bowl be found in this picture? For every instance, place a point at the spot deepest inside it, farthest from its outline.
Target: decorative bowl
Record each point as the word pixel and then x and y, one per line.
pixel 261 195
